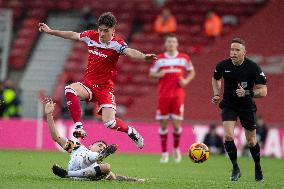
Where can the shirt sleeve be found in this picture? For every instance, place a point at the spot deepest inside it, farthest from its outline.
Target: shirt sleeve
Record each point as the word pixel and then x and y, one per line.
pixel 155 67
pixel 91 157
pixel 260 77
pixel 218 72
pixel 188 64
pixel 120 46
pixel 85 36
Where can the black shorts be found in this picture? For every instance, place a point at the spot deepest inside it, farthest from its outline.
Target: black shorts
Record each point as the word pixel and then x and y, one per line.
pixel 247 117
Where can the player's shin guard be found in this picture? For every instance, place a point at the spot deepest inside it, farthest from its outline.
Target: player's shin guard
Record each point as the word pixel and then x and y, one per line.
pixel 87 172
pixel 164 139
pixel 73 104
pixel 232 152
pixel 117 124
pixel 176 135
pixel 255 153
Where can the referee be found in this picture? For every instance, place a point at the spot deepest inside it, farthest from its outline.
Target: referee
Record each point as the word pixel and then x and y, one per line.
pixel 243 81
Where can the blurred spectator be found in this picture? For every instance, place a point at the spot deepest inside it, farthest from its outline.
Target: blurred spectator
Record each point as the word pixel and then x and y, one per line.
pixel 159 3
pixel 212 25
pixel 214 141
pixel 261 133
pixel 11 100
pixel 261 130
pixel 90 21
pixel 230 19
pixel 165 22
pixel 2 105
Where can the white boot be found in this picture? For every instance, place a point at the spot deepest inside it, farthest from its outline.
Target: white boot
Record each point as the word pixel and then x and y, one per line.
pixel 164 157
pixel 177 155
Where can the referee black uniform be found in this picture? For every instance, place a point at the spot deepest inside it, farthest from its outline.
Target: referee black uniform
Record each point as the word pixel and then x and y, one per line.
pixel 247 75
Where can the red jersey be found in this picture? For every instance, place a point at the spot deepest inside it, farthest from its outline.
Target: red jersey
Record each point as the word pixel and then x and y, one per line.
pixel 102 58
pixel 174 68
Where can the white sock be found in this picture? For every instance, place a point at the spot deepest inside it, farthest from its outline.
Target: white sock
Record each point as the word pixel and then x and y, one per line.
pixel 87 172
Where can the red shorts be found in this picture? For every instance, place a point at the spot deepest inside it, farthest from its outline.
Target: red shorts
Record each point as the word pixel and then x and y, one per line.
pixel 170 107
pixel 102 94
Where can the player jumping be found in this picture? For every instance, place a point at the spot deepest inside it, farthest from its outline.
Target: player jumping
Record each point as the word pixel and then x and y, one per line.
pixel 84 164
pixel 97 86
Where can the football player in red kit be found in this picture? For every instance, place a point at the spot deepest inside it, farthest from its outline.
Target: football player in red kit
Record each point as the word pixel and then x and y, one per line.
pixel 174 71
pixel 97 85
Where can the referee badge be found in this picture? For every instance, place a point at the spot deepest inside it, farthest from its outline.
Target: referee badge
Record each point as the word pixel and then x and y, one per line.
pixel 244 84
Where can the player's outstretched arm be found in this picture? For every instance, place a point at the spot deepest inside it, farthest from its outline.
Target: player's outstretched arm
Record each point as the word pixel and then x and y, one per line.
pixel 42 27
pixel 135 54
pixel 49 106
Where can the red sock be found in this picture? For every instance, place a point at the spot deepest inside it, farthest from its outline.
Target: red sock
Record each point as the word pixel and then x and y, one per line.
pixel 121 125
pixel 176 136
pixel 164 139
pixel 118 125
pixel 73 104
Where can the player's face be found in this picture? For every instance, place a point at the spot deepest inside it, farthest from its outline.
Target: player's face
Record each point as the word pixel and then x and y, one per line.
pixel 97 147
pixel 171 44
pixel 105 33
pixel 237 52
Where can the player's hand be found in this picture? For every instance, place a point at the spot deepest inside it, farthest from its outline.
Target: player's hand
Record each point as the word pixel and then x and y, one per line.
pixel 42 27
pixel 240 91
pixel 150 57
pixel 49 105
pixel 182 82
pixel 215 99
pixel 160 74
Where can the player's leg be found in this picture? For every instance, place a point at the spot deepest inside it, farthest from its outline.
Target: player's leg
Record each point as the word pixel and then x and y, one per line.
pixel 248 121
pixel 229 118
pixel 107 109
pixel 176 135
pixel 74 93
pixel 163 132
pixel 95 171
pixel 177 111
pixel 111 122
pixel 162 115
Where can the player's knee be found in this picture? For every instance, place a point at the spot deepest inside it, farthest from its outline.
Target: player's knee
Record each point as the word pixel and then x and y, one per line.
pixel 229 137
pixel 105 168
pixel 251 142
pixel 109 123
pixel 70 89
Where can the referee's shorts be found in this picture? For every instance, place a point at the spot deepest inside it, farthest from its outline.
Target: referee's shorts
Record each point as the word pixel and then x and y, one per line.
pixel 247 117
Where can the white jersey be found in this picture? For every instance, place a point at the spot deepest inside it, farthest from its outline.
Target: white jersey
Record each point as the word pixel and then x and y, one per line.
pixel 81 157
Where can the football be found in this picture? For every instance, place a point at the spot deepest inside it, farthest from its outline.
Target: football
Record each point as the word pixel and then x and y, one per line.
pixel 198 152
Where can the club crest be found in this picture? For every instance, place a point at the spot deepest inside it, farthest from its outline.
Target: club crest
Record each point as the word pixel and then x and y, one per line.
pixel 244 84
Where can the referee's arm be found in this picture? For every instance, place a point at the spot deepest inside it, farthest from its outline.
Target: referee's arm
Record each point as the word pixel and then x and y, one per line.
pixel 260 91
pixel 216 85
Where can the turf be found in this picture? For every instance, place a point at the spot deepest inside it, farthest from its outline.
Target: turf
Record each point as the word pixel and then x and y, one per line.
pixel 31 169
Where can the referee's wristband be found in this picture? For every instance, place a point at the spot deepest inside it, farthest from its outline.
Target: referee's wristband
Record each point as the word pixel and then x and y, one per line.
pixel 249 93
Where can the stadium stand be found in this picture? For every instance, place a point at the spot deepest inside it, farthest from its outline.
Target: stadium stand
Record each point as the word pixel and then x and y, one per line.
pixel 190 17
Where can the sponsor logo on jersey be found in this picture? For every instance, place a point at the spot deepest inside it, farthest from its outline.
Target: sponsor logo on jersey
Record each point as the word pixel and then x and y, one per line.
pixel 98 53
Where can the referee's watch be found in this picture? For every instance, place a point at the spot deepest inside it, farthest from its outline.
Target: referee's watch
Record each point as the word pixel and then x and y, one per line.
pixel 249 93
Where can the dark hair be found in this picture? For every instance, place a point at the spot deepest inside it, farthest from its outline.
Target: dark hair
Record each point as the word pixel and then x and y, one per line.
pixel 238 40
pixel 170 35
pixel 102 141
pixel 107 19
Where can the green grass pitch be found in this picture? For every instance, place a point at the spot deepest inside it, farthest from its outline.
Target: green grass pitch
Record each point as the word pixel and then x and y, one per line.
pixel 32 170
